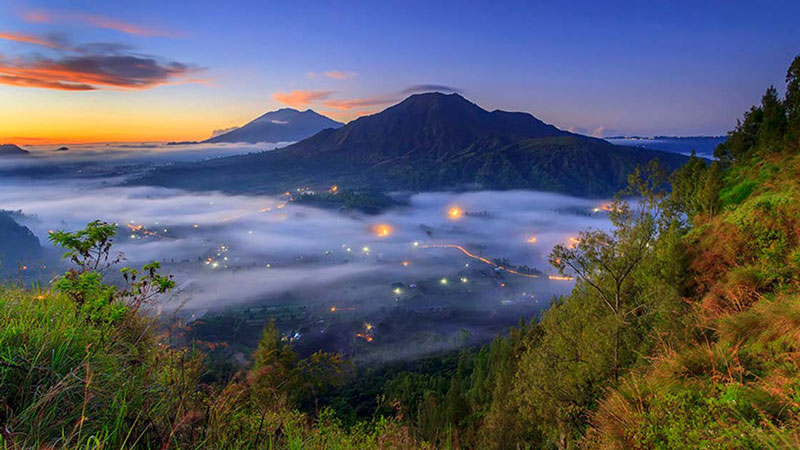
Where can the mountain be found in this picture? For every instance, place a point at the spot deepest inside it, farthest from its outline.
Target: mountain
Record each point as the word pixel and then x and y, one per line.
pixel 12 150
pixel 428 141
pixel 283 125
pixel 17 244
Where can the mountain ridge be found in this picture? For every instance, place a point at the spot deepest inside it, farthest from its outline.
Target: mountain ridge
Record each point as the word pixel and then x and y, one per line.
pixel 426 142
pixel 282 125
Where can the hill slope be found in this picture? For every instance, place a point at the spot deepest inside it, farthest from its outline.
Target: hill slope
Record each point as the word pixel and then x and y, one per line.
pixel 428 141
pixel 12 150
pixel 283 125
pixel 18 244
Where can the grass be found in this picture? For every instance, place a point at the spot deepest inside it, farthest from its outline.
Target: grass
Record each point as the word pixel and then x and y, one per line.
pixel 735 381
pixel 69 379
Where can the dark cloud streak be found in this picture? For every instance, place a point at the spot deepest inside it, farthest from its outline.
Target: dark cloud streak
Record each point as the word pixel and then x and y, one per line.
pixel 417 88
pixel 87 67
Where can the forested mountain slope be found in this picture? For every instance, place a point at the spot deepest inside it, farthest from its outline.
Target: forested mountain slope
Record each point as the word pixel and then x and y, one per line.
pixel 683 331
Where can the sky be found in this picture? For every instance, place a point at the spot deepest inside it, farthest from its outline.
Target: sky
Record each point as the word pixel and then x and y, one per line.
pixel 87 71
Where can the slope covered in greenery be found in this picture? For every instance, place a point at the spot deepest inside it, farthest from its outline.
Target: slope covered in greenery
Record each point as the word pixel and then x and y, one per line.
pixel 682 331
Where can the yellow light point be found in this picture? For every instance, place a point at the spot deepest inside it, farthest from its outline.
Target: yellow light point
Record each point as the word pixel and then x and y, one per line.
pixel 195 226
pixel 40 297
pixel 531 240
pixel 464 279
pixel 334 189
pixel 573 242
pixel 367 326
pixel 382 230
pixel 455 213
pixel 365 249
pixel 287 193
pixel 443 281
pixel 416 244
pixel 398 291
pixel 406 263
pixel 333 309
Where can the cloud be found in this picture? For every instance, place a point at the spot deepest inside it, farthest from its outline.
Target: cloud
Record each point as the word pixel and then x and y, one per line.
pixel 88 67
pixel 265 251
pixel 216 133
pixel 46 41
pixel 417 88
pixel 346 116
pixel 356 103
pixel 300 98
pixel 598 132
pixel 338 75
pixel 92 72
pixel 49 16
pixel 332 74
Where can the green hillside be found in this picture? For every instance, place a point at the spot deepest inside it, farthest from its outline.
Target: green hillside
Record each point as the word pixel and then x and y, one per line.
pixel 682 331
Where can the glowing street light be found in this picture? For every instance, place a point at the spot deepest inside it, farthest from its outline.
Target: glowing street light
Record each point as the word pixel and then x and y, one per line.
pixel 455 213
pixel 382 230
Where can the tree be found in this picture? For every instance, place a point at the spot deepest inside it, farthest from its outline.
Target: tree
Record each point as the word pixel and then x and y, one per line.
pixel 605 261
pixel 90 250
pixel 708 195
pixel 773 126
pixel 792 101
pixel 273 361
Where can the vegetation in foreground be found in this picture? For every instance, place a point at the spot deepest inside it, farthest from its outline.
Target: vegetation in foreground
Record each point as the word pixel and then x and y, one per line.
pixel 682 331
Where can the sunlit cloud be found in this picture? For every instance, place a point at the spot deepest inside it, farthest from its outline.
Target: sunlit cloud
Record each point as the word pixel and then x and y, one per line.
pixel 92 72
pixel 50 16
pixel 332 74
pixel 339 75
pixel 346 116
pixel 357 103
pixel 88 67
pixel 46 41
pixel 300 98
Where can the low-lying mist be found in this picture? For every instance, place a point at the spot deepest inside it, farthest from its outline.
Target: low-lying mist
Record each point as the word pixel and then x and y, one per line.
pixel 398 284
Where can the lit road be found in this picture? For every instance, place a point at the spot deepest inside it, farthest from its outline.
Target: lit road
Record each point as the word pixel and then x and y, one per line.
pixel 491 263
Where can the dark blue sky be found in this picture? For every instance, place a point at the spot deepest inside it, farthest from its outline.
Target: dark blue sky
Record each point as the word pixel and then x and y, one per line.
pixel 615 68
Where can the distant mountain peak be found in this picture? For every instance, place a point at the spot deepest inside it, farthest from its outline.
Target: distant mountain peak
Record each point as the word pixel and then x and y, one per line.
pixel 281 125
pixel 428 141
pixel 12 150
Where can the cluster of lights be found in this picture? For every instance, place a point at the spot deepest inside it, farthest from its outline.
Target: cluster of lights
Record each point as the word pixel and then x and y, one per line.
pixel 138 230
pixel 367 333
pixel 210 261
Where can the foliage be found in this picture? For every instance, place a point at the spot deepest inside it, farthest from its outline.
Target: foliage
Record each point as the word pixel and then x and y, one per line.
pixel 682 331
